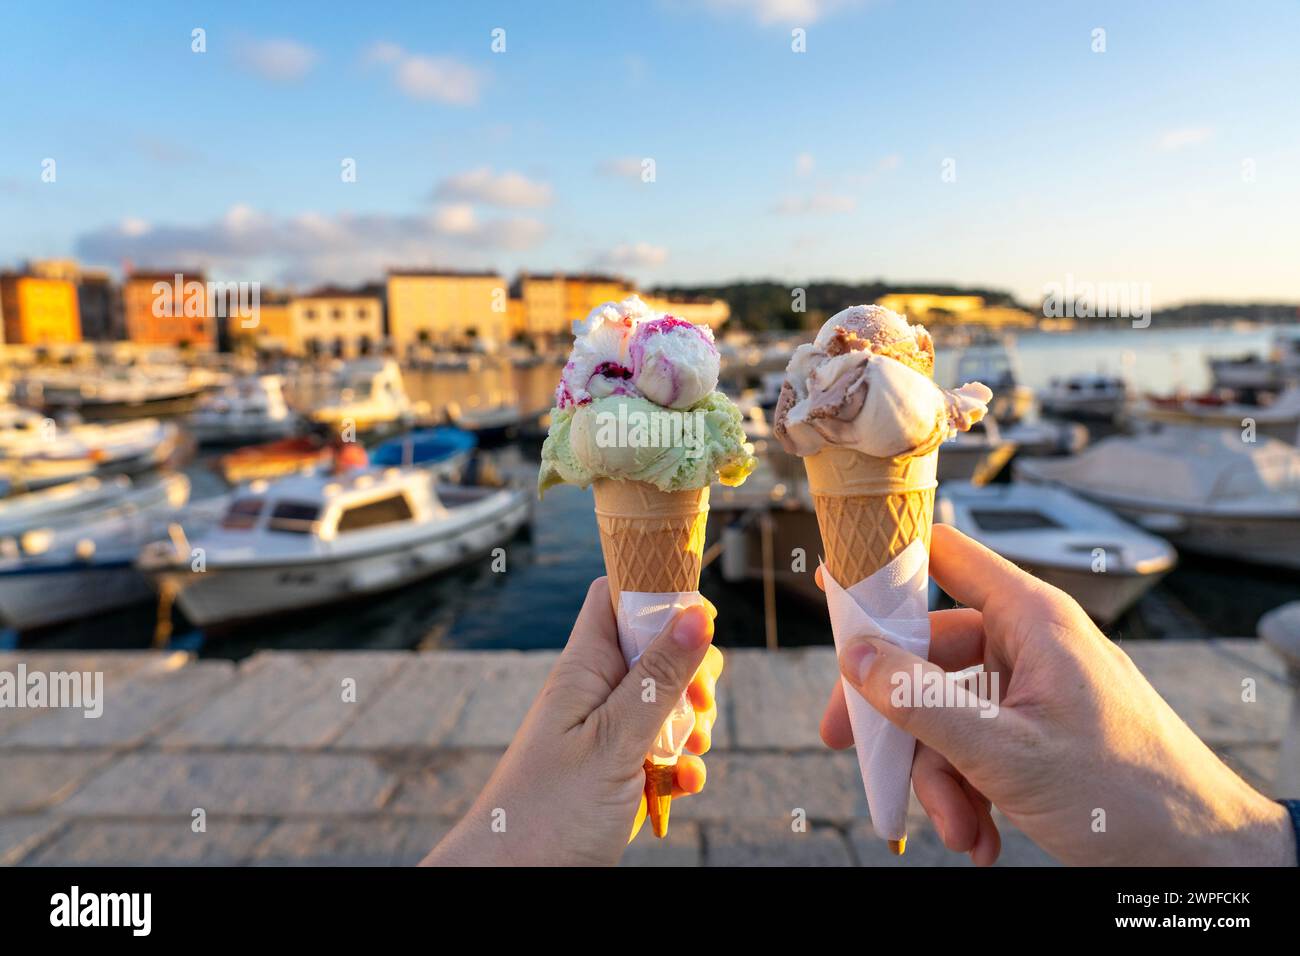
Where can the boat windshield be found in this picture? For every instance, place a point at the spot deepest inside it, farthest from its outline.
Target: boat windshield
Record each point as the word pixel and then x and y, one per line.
pixel 243 513
pixel 384 511
pixel 294 517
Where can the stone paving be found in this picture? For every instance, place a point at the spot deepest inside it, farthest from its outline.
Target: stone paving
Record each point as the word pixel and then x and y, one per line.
pixel 288 772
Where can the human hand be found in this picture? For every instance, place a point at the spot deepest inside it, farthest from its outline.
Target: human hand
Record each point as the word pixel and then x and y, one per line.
pixel 1078 729
pixel 570 789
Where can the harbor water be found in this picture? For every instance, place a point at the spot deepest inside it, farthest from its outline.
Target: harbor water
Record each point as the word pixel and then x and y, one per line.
pixel 532 600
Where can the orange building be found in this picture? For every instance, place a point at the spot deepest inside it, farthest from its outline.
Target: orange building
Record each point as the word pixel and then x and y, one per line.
pixel 39 311
pixel 168 308
pixel 552 302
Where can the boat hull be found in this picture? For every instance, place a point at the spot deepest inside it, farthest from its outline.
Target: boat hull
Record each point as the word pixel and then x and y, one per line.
pixel 31 598
pixel 220 596
pixel 1104 596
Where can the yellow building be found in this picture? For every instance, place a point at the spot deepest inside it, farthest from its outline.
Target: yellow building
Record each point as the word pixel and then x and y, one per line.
pixel 39 311
pixel 447 309
pixel 700 311
pixel 336 322
pixel 168 308
pixel 273 331
pixel 933 309
pixel 553 302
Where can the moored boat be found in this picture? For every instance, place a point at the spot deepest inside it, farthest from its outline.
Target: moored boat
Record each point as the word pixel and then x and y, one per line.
pixel 1104 563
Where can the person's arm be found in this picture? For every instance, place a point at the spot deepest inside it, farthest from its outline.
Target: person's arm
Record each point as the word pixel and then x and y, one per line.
pixel 1082 754
pixel 570 789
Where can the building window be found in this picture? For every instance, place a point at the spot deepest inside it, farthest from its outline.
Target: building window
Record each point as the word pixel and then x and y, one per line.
pixel 310 315
pixel 338 315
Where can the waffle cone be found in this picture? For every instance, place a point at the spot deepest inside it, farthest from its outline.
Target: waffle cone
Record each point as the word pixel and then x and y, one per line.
pixel 869 509
pixel 652 540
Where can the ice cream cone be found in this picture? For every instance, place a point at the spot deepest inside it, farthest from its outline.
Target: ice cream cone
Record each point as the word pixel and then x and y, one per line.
pixel 869 510
pixel 653 541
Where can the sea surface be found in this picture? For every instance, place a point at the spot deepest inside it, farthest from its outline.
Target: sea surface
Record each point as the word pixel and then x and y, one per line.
pixel 534 601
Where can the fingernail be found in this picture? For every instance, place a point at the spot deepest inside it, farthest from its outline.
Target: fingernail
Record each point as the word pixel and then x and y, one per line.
pixel 693 628
pixel 856 661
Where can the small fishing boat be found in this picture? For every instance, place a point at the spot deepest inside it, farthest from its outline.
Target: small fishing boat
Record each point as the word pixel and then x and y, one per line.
pixel 52 575
pixel 994 363
pixel 977 455
pixel 317 539
pixel 1094 397
pixel 117 392
pixel 275 459
pixel 1254 373
pixel 492 423
pixel 36 446
pixel 371 395
pixel 1104 563
pixel 1044 437
pixel 1204 489
pixel 250 409
pixel 1279 418
pixel 78 501
pixel 446 450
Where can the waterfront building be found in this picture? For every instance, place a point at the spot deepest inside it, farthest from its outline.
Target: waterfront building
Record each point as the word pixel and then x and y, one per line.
pixel 272 332
pixel 339 322
pixel 446 309
pixel 934 309
pixel 39 311
pixel 168 308
pixel 699 310
pixel 552 302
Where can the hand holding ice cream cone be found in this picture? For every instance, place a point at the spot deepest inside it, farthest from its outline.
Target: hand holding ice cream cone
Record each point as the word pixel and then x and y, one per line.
pixel 860 406
pixel 639 419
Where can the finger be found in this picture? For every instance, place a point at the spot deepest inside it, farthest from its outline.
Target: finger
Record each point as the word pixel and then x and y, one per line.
pixel 965 733
pixel 630 719
pixel 971 573
pixel 594 639
pixel 939 789
pixel 956 638
pixel 713 661
pixel 836 731
pixel 988 841
pixel 703 688
pixel 701 738
pixel 817 576
pixel 689 776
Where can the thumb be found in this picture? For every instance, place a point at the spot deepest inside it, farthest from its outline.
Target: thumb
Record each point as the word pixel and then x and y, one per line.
pixel 947 715
pixel 642 701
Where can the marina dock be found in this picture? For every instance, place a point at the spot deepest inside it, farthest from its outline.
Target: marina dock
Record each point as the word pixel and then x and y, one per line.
pixel 285 770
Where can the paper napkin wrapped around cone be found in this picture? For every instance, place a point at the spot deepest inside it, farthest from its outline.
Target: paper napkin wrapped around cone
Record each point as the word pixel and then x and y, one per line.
pixel 889 604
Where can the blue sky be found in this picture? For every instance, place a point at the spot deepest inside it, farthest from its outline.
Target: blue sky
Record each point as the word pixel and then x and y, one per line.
pixel 1172 158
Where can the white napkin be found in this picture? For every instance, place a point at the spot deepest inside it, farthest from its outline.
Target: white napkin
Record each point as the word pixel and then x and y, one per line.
pixel 642 616
pixel 890 604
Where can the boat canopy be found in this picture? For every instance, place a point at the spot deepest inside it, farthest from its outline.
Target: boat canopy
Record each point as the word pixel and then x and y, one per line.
pixel 1180 466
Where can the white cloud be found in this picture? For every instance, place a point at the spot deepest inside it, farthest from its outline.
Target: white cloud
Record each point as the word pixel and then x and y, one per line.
pixel 635 255
pixel 817 204
pixel 438 79
pixel 796 12
pixel 621 167
pixel 1186 136
pixel 313 247
pixel 804 164
pixel 280 61
pixel 511 190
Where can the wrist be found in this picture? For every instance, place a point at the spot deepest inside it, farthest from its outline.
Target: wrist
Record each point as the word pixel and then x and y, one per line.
pixel 1264 836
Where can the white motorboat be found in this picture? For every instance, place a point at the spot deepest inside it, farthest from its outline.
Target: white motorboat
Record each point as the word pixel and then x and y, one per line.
pixel 76 502
pixel 123 447
pixel 117 392
pixel 1254 373
pixel 312 540
pixel 249 409
pixel 1101 397
pixel 1044 437
pixel 490 422
pixel 371 395
pixel 976 455
pixel 1204 489
pixel 994 363
pixel 1278 419
pixel 52 575
pixel 1104 563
